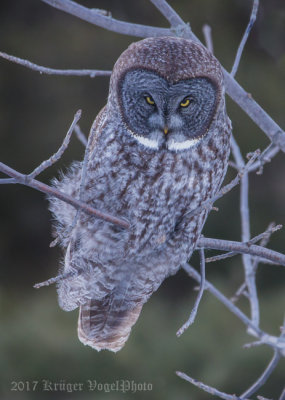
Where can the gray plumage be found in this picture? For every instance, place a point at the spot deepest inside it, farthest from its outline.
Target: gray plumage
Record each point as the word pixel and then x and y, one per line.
pixel 154 158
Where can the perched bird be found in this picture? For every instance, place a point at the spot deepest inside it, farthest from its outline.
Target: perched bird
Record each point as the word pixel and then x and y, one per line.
pixel 160 149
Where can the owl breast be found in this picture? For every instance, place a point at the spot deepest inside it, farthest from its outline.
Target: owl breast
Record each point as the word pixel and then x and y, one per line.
pixel 152 190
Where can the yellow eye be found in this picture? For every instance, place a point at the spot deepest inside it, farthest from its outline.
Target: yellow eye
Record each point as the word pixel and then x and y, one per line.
pixel 185 103
pixel 149 100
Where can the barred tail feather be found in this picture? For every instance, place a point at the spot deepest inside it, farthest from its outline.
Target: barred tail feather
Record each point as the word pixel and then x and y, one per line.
pixel 107 323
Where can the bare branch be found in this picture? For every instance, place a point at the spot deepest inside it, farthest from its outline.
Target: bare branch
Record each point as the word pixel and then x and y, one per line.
pixel 240 292
pixel 207 32
pixel 264 241
pixel 215 292
pixel 276 343
pixel 55 157
pixel 217 244
pixel 245 224
pixel 265 157
pixel 97 18
pixel 282 396
pixel 57 278
pixel 208 243
pixel 194 311
pixel 263 378
pixel 206 388
pixel 6 181
pixel 254 111
pixel 80 135
pixel 242 248
pixel 51 191
pixel 92 73
pixel 245 36
pixel 264 235
pixel 168 12
pixel 263 398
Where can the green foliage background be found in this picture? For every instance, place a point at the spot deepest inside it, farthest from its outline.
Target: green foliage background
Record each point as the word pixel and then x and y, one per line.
pixel 37 339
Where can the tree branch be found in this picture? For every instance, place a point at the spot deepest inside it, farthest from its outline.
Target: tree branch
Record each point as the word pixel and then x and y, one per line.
pixel 207 388
pixel 42 187
pixel 207 32
pixel 207 243
pixel 194 311
pixel 245 37
pixel 96 18
pixel 275 342
pixel 243 248
pixel 264 235
pixel 55 157
pixel 92 73
pixel 263 378
pixel 245 224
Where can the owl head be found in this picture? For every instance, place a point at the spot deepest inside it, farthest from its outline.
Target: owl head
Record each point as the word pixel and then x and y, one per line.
pixel 166 91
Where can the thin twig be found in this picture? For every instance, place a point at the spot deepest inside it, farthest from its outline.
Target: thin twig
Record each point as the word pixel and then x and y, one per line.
pixel 272 341
pixel 55 157
pixel 194 311
pixel 242 248
pixel 207 32
pixel 241 291
pixel 245 224
pixel 245 36
pixel 265 157
pixel 57 278
pixel 282 396
pixel 215 292
pixel 96 18
pixel 168 12
pixel 264 235
pixel 206 388
pixel 263 378
pixel 263 398
pixel 92 73
pixel 256 343
pixel 80 135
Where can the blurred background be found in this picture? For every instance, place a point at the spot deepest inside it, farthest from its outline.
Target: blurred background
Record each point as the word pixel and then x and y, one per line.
pixel 37 339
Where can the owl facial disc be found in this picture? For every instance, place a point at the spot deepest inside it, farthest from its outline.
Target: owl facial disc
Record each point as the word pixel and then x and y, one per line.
pixel 164 115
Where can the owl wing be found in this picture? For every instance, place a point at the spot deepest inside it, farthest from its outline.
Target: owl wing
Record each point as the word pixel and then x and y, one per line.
pixel 69 184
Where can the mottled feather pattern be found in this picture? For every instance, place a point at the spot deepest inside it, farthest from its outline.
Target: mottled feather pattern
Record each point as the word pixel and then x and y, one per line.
pixel 119 269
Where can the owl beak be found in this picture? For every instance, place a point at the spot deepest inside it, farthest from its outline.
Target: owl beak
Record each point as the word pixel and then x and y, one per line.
pixel 165 130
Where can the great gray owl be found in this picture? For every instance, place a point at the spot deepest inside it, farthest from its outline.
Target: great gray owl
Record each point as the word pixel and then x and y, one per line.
pixel 160 150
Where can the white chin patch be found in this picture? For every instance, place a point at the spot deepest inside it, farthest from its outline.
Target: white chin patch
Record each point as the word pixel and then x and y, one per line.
pixel 150 143
pixel 176 146
pixel 171 145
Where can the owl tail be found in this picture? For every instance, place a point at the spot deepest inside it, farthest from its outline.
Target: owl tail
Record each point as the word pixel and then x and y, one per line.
pixel 107 323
